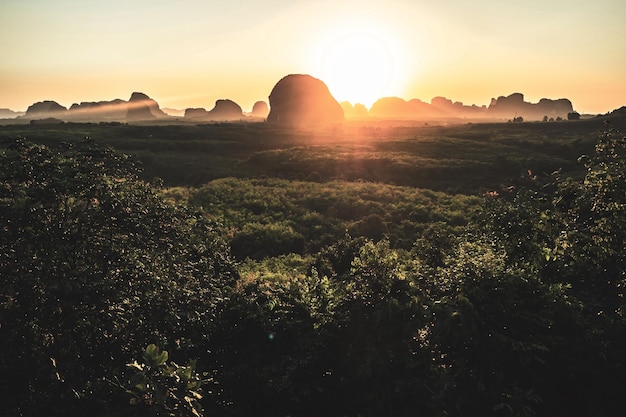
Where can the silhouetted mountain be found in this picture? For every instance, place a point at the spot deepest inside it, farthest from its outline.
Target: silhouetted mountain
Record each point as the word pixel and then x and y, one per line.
pixel 616 119
pixel 260 109
pixel 621 112
pixel 397 108
pixel 142 107
pixel 99 111
pixel 139 107
pixel 224 110
pixel 457 108
pixel 441 107
pixel 45 109
pixel 356 111
pixel 300 100
pixel 514 105
pixel 196 113
pixel 10 114
pixel 173 112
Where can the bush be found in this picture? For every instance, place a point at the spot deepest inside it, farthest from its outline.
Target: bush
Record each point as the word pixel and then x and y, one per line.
pixel 94 266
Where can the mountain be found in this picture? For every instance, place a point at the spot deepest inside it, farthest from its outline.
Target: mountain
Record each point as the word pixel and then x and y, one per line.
pixel 142 107
pixel 260 109
pixel 504 107
pixel 515 106
pixel 398 108
pixel 300 100
pixel 226 110
pixel 356 111
pixel 10 114
pixel 45 109
pixel 138 107
pixel 98 111
pixel 223 111
pixel 173 112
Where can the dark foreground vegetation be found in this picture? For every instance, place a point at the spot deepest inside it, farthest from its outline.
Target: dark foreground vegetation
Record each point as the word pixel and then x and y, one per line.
pixel 308 276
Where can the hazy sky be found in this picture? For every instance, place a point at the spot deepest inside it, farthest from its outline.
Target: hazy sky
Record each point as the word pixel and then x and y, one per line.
pixel 189 53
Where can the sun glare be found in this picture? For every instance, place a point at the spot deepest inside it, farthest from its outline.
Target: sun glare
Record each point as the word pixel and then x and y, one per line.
pixel 361 64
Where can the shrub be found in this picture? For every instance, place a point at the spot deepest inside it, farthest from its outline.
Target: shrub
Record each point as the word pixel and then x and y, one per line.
pixel 94 266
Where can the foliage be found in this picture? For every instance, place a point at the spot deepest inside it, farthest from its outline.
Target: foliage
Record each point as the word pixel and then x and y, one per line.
pixel 351 298
pixel 458 158
pixel 157 388
pixel 273 217
pixel 94 265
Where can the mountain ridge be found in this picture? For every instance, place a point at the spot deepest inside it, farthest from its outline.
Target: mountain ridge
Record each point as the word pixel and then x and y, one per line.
pixel 140 107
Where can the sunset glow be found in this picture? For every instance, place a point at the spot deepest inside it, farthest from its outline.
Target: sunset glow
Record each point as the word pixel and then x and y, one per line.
pixel 361 61
pixel 191 53
pixel 358 68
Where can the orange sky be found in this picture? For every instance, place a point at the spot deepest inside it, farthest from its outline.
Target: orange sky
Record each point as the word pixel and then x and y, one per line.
pixel 189 53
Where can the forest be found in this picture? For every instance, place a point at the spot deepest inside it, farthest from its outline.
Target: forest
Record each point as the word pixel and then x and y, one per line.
pixel 370 269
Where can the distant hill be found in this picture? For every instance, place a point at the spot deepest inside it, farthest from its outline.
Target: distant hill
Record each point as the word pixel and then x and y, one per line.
pixel 300 100
pixel 515 106
pixel 618 113
pixel 224 110
pixel 174 112
pixel 260 110
pixel 139 107
pixel 101 110
pixel 10 114
pixel 45 109
pixel 504 107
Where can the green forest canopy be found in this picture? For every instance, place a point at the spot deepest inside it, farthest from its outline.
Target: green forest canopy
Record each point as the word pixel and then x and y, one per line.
pixel 514 309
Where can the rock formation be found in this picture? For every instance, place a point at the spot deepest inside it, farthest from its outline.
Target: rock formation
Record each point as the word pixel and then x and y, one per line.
pixel 196 113
pixel 508 107
pixel 45 109
pixel 397 108
pixel 260 109
pixel 457 108
pixel 514 105
pixel 226 110
pixel 300 100
pixel 173 112
pixel 142 107
pixel 10 114
pixel 99 111
pixel 358 111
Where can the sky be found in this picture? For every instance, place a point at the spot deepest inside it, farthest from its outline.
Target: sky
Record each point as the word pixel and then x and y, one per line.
pixel 190 53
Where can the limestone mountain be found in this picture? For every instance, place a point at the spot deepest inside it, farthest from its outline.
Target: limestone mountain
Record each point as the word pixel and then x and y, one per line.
pixel 224 110
pixel 10 114
pixel 142 107
pixel 260 109
pixel 300 100
pixel 99 111
pixel 398 108
pixel 356 111
pixel 515 106
pixel 45 109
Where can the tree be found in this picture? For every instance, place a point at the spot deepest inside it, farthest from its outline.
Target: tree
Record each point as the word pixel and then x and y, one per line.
pixel 573 116
pixel 94 266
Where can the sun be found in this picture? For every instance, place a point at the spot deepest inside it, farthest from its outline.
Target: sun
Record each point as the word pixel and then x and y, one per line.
pixel 360 66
